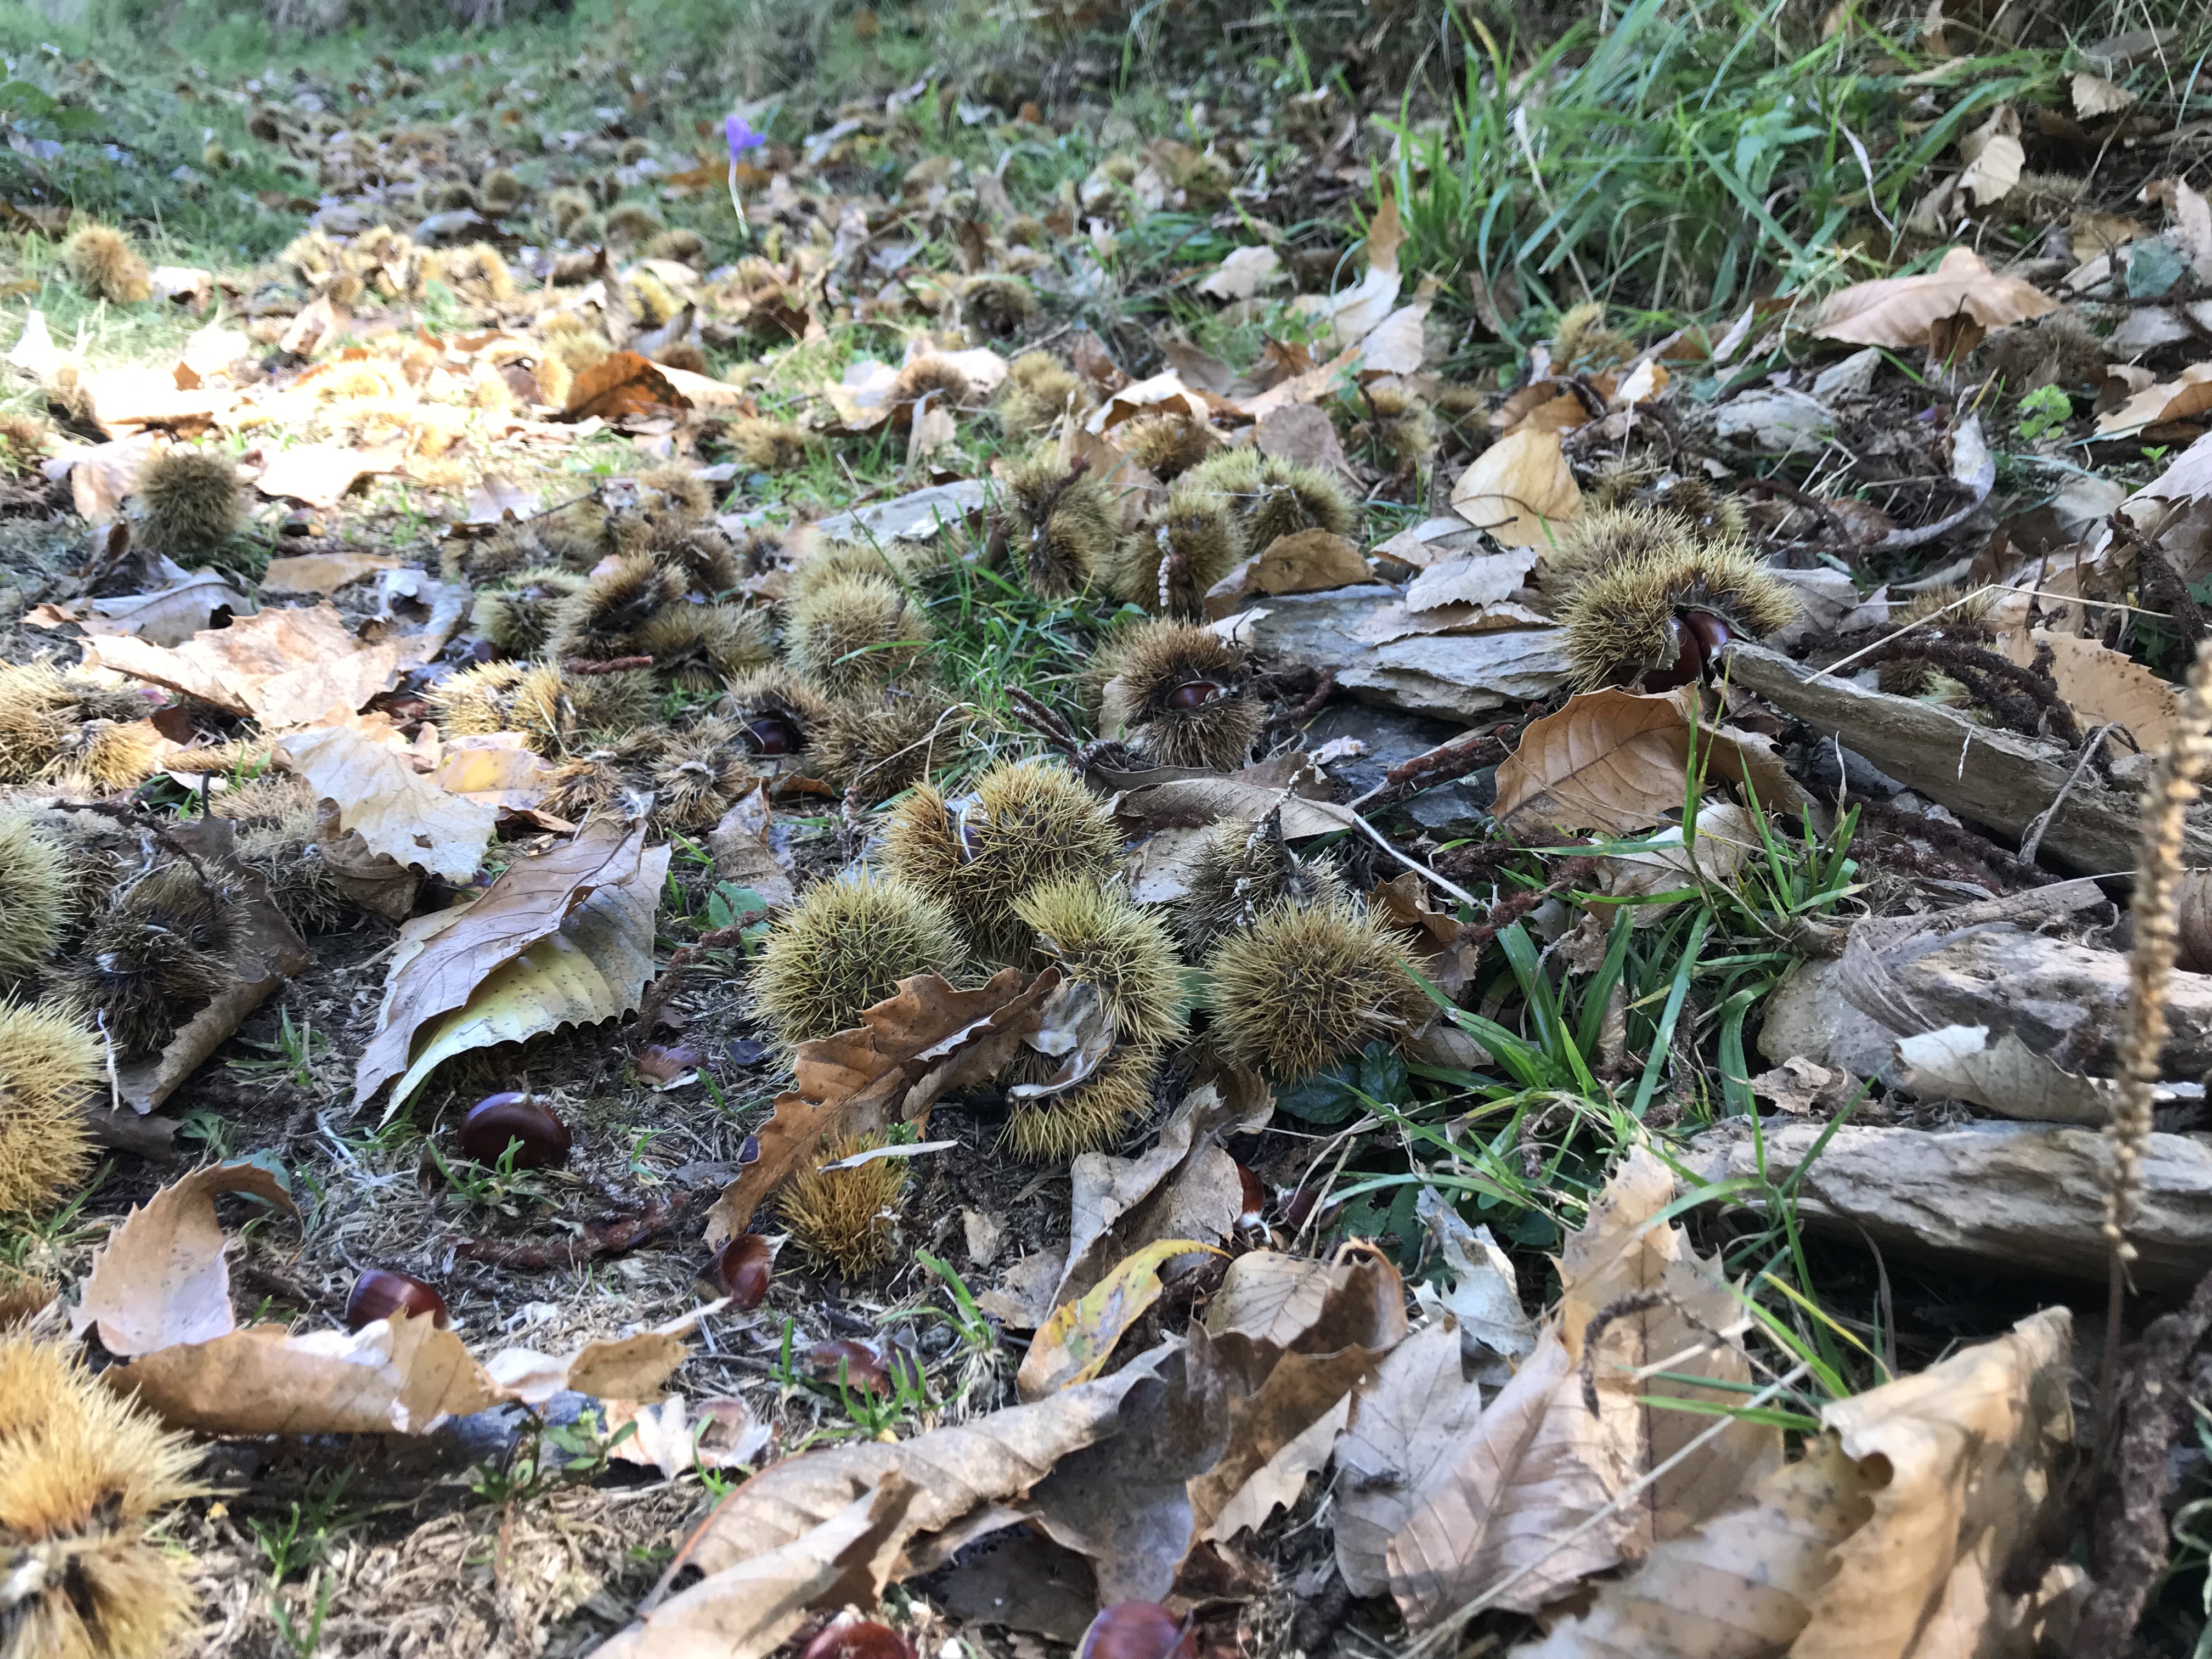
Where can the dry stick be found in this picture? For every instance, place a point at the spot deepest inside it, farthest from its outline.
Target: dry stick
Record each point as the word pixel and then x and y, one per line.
pixel 2174 786
pixel 1453 1625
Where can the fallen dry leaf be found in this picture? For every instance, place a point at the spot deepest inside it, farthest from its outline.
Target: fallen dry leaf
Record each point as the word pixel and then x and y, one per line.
pixel 2094 95
pixel 100 475
pixel 393 809
pixel 321 475
pixel 1964 1062
pixel 1243 273
pixel 1407 1423
pixel 619 385
pixel 1519 490
pixel 284 667
pixel 908 1049
pixel 1619 761
pixel 1074 1344
pixel 1306 562
pixel 2184 398
pixel 167 617
pixel 442 960
pixel 323 572
pixel 1484 1296
pixel 593 967
pixel 163 1279
pixel 1899 311
pixel 1483 580
pixel 2192 220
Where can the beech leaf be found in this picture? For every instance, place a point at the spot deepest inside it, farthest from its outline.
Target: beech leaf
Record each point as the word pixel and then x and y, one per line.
pixel 1519 488
pixel 282 667
pixel 393 808
pixel 1899 311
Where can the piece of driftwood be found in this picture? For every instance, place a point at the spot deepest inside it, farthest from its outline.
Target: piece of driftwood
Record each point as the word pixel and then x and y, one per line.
pixel 2024 1198
pixel 1997 779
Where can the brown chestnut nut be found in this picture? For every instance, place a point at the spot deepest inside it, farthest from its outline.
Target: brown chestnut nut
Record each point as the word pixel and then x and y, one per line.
pixel 1138 1630
pixel 1254 1201
pixel 769 735
pixel 863 1638
pixel 1196 694
pixel 378 1294
pixel 524 1122
pixel 862 1371
pixel 743 1268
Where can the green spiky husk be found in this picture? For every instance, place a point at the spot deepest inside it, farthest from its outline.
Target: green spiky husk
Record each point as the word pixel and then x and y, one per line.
pixel 37 898
pixel 879 744
pixel 1243 871
pixel 844 948
pixel 192 500
pixel 1144 667
pixel 1028 822
pixel 1195 535
pixel 855 634
pixel 1063 527
pixel 1272 497
pixel 1100 938
pixel 1096 1114
pixel 1622 623
pixel 1301 987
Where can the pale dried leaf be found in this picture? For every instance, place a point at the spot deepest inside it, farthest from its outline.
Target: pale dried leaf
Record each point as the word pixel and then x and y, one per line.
pixel 2192 220
pixel 2094 95
pixel 1304 562
pixel 1484 1298
pixel 283 667
pixel 1899 311
pixel 320 475
pixel 1992 174
pixel 1396 344
pixel 323 572
pixel 2182 399
pixel 1518 1485
pixel 749 1608
pixel 1486 578
pixel 1243 273
pixel 1970 1452
pixel 1519 490
pixel 167 617
pixel 1408 1422
pixel 1962 1062
pixel 1741 1586
pixel 392 808
pixel 161 1278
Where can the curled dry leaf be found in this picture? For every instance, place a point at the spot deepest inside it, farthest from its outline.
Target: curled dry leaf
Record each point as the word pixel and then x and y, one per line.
pixel 619 385
pixel 1306 562
pixel 323 572
pixel 1407 1425
pixel 1899 311
pixel 1619 761
pixel 1484 1294
pixel 283 667
pixel 910 1049
pixel 168 617
pixel 1243 273
pixel 321 475
pixel 1075 1343
pixel 394 809
pixel 1519 490
pixel 592 967
pixel 2184 399
pixel 159 1293
pixel 440 960
pixel 1892 1535
pixel 1485 578
pixel 1962 1062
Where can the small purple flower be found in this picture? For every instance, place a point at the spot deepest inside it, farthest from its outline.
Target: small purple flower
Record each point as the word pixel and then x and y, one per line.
pixel 741 137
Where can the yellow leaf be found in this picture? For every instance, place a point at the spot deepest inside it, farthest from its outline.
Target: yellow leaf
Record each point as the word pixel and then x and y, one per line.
pixel 1077 1342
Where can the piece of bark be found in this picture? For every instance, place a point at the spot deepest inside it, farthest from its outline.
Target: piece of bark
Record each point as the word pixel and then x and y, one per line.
pixel 2023 1198
pixel 1997 779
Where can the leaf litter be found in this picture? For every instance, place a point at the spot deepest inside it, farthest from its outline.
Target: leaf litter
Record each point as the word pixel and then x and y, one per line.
pixel 1481 748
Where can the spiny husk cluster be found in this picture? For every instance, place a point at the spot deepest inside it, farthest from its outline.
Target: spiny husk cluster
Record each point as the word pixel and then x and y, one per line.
pixel 855 633
pixel 105 263
pixel 1180 696
pixel 1397 423
pixel 1062 522
pixel 844 948
pixel 1244 871
pixel 1099 938
pixel 82 1470
pixel 681 780
pixel 37 896
pixel 934 379
pixel 1624 619
pixel 1039 390
pixel 1096 1114
pixel 847 1218
pixel 1165 445
pixel 1178 551
pixel 517 616
pixel 1305 985
pixel 1271 497
pixel 781 715
pixel 49 1066
pixel 553 711
pixel 278 836
pixel 192 500
pixel 876 744
pixel 70 730
pixel 152 958
pixel 1027 823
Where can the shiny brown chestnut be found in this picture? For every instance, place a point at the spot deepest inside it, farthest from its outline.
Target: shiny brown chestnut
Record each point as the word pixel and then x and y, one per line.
pixel 863 1639
pixel 1254 1200
pixel 862 1370
pixel 772 734
pixel 742 1268
pixel 1196 694
pixel 538 1136
pixel 380 1293
pixel 1138 1630
pixel 658 1064
pixel 1702 633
